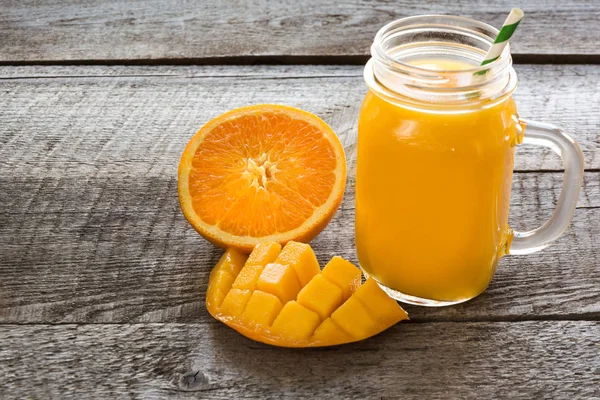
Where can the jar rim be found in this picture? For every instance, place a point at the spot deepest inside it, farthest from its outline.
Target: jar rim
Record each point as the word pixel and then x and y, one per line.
pixel 389 73
pixel 377 50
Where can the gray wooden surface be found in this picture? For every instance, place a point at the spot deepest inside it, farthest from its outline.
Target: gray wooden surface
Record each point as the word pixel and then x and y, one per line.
pixel 480 360
pixel 90 159
pixel 102 281
pixel 284 30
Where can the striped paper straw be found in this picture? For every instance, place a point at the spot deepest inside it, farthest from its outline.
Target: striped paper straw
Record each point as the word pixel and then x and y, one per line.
pixel 506 32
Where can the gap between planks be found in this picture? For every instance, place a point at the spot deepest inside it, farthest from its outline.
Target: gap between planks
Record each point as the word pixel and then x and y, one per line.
pixel 288 60
pixel 530 360
pixel 586 317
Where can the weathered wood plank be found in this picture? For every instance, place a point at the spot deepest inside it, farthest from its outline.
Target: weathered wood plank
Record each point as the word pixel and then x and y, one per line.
pixel 90 225
pixel 559 360
pixel 169 29
pixel 132 120
pixel 108 250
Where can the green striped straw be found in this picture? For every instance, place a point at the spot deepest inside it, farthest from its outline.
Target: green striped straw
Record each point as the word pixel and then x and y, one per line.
pixel 506 32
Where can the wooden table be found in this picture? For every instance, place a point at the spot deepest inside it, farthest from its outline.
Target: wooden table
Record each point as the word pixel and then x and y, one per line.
pixel 102 281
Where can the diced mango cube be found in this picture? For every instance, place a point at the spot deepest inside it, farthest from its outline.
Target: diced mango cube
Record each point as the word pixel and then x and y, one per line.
pixel 222 280
pixel 295 322
pixel 234 303
pixel 302 258
pixel 354 318
pixel 320 296
pixel 248 276
pixel 330 333
pixel 264 253
pixel 231 261
pixel 382 307
pixel 344 274
pixel 279 280
pixel 261 310
pixel 216 297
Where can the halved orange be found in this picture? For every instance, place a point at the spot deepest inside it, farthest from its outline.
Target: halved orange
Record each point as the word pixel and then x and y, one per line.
pixel 262 173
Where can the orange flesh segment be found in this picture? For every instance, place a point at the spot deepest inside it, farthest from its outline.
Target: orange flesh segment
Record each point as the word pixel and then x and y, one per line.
pixel 261 173
pixel 243 148
pixel 278 312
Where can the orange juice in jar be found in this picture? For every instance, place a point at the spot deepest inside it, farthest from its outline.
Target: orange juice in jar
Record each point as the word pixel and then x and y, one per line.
pixel 436 139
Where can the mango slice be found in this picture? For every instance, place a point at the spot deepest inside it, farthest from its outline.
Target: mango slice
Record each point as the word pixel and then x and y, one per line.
pixel 279 280
pixel 261 310
pixel 344 274
pixel 223 275
pixel 235 302
pixel 320 296
pixel 295 323
pixel 263 254
pixel 301 257
pixel 379 305
pixel 355 319
pixel 281 297
pixel 329 332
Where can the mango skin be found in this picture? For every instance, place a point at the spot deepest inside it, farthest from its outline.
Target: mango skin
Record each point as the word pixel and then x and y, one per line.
pixel 301 326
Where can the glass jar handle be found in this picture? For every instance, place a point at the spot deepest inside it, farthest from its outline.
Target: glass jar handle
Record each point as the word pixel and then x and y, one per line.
pixel 547 135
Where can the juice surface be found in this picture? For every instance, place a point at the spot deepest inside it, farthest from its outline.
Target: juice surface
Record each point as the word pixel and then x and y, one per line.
pixel 432 194
pixel 437 64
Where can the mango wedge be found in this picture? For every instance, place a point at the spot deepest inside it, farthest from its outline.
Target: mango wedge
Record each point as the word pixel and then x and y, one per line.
pixel 282 298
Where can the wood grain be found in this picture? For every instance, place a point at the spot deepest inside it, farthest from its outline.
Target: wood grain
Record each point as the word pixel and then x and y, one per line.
pixel 74 121
pixel 539 359
pixel 172 30
pixel 90 225
pixel 101 250
pixel 102 281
